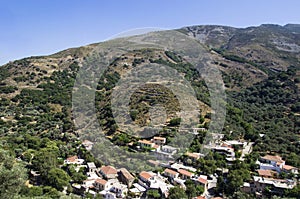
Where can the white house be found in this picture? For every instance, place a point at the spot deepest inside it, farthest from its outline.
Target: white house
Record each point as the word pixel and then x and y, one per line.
pixel 270 162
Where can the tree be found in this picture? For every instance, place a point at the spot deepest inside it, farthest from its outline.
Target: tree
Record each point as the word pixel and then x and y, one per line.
pixel 44 161
pixel 177 193
pixel 193 190
pixel 12 175
pixel 153 193
pixel 295 192
pixel 58 178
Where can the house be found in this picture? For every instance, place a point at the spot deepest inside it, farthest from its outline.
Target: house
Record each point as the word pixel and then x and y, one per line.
pixel 224 150
pixel 88 145
pixel 74 160
pixel 171 173
pixel 138 190
pixel 185 174
pixel 88 184
pixel 119 189
pixel 125 177
pixel 145 176
pixel 266 173
pixel 100 184
pixel 146 144
pixel 108 172
pixel 159 140
pixel 277 186
pixel 290 169
pixel 270 162
pixel 178 166
pixel 91 167
pixel 237 143
pixel 202 180
pixel 165 152
pixel 108 194
pixel 193 156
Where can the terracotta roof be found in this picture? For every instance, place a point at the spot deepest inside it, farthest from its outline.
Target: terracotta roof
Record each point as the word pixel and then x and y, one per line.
pixel 145 175
pixel 185 172
pixel 126 174
pixel 108 170
pixel 170 171
pixel 227 145
pixel 192 155
pixel 264 173
pixel 202 180
pixel 73 158
pixel 288 167
pixel 156 146
pixel 101 181
pixel 273 158
pixel 159 138
pixel 145 142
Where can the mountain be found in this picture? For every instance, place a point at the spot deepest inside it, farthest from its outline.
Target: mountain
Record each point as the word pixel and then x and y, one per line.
pixel 260 67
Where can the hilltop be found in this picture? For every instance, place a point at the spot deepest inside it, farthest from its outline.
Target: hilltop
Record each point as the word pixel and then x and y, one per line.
pixel 260 67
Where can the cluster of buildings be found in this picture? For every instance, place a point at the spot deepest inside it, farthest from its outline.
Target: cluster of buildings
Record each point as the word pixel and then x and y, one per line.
pixel 270 167
pixel 229 148
pixel 114 183
pixel 159 148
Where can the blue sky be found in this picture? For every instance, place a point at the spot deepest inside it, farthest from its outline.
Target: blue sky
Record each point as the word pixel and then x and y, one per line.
pixel 41 27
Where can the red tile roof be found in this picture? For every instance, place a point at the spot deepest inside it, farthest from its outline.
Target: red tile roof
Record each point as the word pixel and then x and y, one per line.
pixel 145 175
pixel 145 142
pixel 126 174
pixel 202 180
pixel 101 181
pixel 159 138
pixel 185 172
pixel 170 171
pixel 192 155
pixel 273 158
pixel 72 159
pixel 108 170
pixel 288 167
pixel 267 173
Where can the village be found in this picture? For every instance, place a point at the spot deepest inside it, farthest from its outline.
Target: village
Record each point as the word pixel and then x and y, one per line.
pixel 112 183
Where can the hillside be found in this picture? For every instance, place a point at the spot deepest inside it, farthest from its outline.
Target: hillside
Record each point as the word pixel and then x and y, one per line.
pixel 260 68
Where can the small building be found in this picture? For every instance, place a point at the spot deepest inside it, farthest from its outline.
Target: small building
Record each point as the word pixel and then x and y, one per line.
pixel 146 144
pixel 271 162
pixel 119 189
pixel 74 160
pixel 91 167
pixel 108 172
pixel 193 156
pixel 202 180
pixel 290 169
pixel 266 173
pixel 100 184
pixel 185 174
pixel 276 186
pixel 159 140
pixel 171 173
pixel 145 176
pixel 125 177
